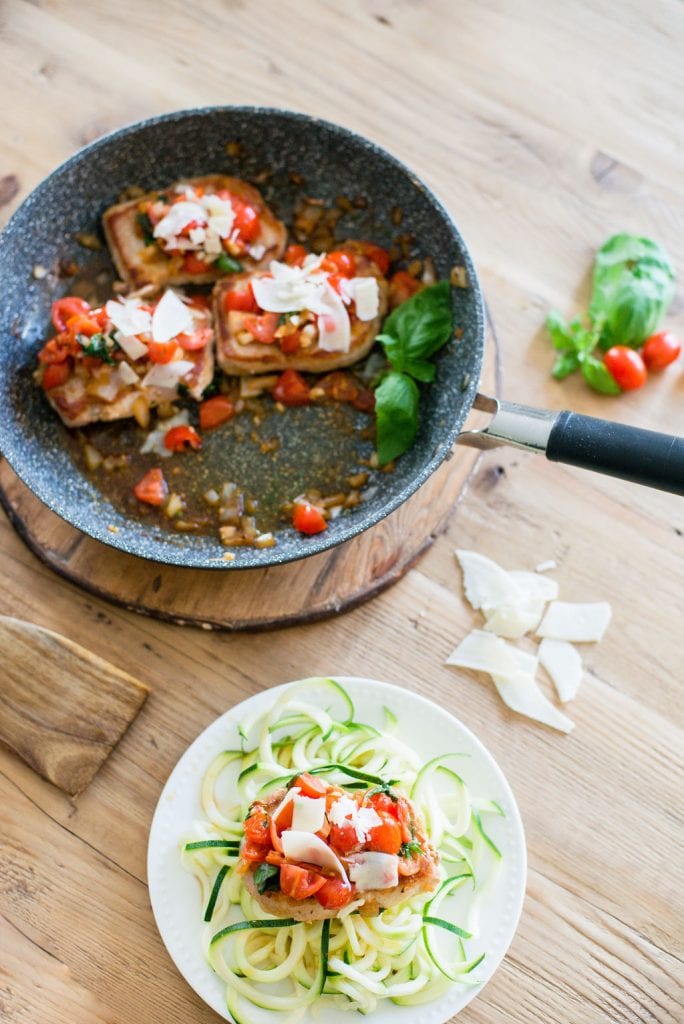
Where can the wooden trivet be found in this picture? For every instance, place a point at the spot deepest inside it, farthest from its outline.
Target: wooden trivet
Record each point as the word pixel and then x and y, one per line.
pixel 253 599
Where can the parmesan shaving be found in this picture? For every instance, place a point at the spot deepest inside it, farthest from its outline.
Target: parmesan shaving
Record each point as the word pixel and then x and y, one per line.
pixel 171 317
pixel 581 623
pixel 564 665
pixel 521 694
pixel 486 584
pixel 484 652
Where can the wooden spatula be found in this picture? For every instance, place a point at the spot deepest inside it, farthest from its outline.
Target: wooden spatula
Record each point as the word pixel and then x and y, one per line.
pixel 62 708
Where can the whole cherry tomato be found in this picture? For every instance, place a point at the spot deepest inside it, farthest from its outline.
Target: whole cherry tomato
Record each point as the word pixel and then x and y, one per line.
pixel 660 350
pixel 626 367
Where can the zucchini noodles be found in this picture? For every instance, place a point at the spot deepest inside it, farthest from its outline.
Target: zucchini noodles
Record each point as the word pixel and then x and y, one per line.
pixel 410 953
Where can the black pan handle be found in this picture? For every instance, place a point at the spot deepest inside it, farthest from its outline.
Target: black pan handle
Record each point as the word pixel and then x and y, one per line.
pixel 642 456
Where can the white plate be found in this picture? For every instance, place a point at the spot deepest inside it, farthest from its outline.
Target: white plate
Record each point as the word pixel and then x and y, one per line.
pixel 430 730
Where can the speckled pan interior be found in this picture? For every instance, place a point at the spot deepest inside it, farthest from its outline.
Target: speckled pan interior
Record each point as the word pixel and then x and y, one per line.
pixel 332 161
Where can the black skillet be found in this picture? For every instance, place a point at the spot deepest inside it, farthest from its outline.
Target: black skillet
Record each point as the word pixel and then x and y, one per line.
pixel 277 149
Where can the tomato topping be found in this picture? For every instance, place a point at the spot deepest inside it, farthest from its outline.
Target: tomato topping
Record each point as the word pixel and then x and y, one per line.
pixel 295 255
pixel 308 519
pixel 340 262
pixel 240 298
pixel 402 286
pixel 152 488
pixel 198 301
pixel 161 351
pixel 334 893
pixel 62 309
pixel 192 264
pixel 179 438
pixel 379 256
pixel 290 343
pixel 660 350
pixel 408 866
pixel 246 219
pixel 58 349
pixel 195 341
pixel 56 374
pixel 215 411
pixel 344 838
pixel 292 389
pixel 404 816
pixel 626 367
pixel 82 324
pixel 311 785
pixel 299 883
pixel 365 400
pixel 386 837
pixel 384 802
pixel 262 327
pixel 257 828
pixel 273 857
pixel 254 852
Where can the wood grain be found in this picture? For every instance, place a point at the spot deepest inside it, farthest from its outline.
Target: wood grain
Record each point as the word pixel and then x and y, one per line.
pixel 544 127
pixel 62 708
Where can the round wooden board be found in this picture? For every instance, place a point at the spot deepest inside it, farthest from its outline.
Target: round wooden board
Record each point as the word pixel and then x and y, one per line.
pixel 252 599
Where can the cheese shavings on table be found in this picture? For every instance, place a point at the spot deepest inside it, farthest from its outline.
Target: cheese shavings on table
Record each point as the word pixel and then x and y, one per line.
pixel 514 604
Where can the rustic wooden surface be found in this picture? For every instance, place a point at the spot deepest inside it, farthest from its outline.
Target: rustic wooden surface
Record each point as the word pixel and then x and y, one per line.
pixel 65 719
pixel 545 127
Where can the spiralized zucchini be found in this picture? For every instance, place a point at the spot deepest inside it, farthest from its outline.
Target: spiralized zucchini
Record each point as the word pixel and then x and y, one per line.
pixel 411 953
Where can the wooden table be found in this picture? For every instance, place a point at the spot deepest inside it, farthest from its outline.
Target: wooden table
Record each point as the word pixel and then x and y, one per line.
pixel 545 127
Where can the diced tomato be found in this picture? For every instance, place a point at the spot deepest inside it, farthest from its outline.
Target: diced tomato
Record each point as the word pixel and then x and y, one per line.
pixel 100 317
pixel 58 349
pixel 82 324
pixel 334 893
pixel 311 785
pixel 299 883
pixel 386 837
pixel 257 827
pixel 56 374
pixel 64 308
pixel 295 255
pixel 192 264
pixel 384 802
pixel 340 262
pixel 152 488
pixel 308 519
pixel 215 411
pixel 262 327
pixel 195 341
pixel 292 389
pixel 402 286
pixel 340 386
pixel 290 343
pixel 365 400
pixel 240 298
pixel 344 838
pixel 273 857
pixel 178 439
pixel 246 219
pixel 379 256
pixel 404 816
pixel 161 351
pixel 279 824
pixel 253 852
pixel 190 227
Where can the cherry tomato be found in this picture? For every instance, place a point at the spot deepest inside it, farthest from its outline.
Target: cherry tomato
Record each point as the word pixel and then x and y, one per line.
pixel 195 341
pixel 58 349
pixel 253 852
pixel 379 256
pixel 299 883
pixel 56 374
pixel 384 802
pixel 82 324
pixel 626 367
pixel 292 389
pixel 198 301
pixel 290 343
pixel 178 439
pixel 194 265
pixel 215 411
pixel 152 488
pixel 161 351
pixel 246 219
pixel 311 785
pixel 402 286
pixel 295 255
pixel 262 327
pixel 273 857
pixel 241 298
pixel 386 837
pixel 62 309
pixel 344 838
pixel 660 350
pixel 257 827
pixel 340 262
pixel 334 893
pixel 308 519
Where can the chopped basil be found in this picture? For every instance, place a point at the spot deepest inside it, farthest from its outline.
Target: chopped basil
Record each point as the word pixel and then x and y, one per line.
pixel 145 225
pixel 98 346
pixel 227 264
pixel 412 849
pixel 267 876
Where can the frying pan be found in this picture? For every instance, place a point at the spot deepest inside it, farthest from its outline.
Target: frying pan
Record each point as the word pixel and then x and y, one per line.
pixel 277 150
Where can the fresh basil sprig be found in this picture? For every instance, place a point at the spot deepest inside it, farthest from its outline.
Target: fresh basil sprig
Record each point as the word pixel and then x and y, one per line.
pixel 632 286
pixel 411 334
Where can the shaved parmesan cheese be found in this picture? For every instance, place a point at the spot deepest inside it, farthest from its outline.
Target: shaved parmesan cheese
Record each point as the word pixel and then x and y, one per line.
pixel 291 289
pixel 304 846
pixel 485 652
pixel 128 317
pixel 521 693
pixel 582 623
pixel 179 216
pixel 256 251
pixel 486 584
pixel 334 328
pixel 374 870
pixel 513 621
pixel 537 587
pixel 345 810
pixel 167 375
pixel 132 346
pixel 127 374
pixel 546 566
pixel 366 819
pixel 366 296
pixel 171 317
pixel 220 214
pixel 564 665
pixel 108 388
pixel 154 442
pixel 308 814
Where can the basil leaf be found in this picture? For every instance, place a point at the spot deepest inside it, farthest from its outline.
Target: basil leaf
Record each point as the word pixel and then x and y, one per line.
pixel 145 225
pixel 598 376
pixel 417 328
pixel 96 346
pixel 267 876
pixel 566 363
pixel 636 309
pixel 227 264
pixel 561 336
pixel 396 412
pixel 422 371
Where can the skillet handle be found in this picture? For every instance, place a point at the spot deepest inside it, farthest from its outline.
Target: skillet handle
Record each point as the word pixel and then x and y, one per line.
pixel 642 456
